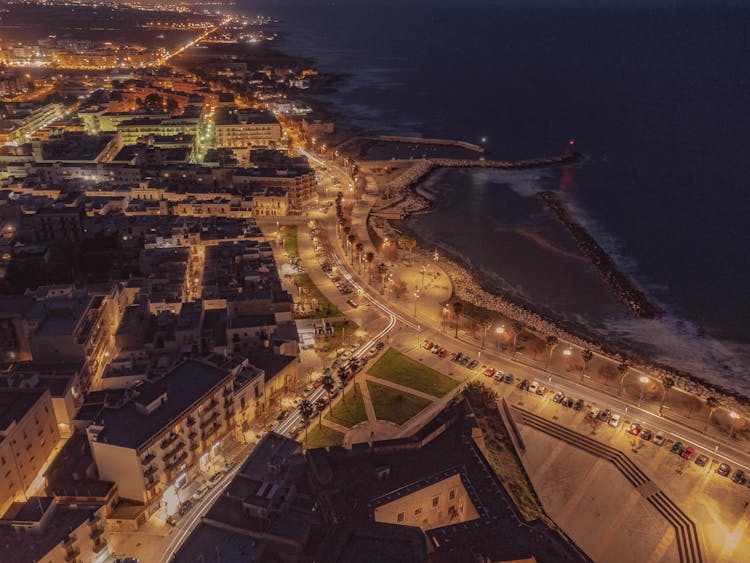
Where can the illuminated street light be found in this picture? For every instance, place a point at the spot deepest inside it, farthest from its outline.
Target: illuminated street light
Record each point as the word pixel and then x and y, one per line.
pixel 734 416
pixel 499 330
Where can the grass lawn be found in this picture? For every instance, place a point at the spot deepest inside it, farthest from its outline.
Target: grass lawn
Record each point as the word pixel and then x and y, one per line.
pixel 350 410
pixel 399 368
pixel 289 239
pixel 323 308
pixel 321 436
pixel 394 405
pixel 341 330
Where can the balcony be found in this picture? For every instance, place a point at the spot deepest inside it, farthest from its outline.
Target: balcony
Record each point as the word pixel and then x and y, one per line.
pixel 72 553
pixel 191 421
pixel 213 403
pixel 194 446
pixel 228 403
pixel 99 545
pixel 151 456
pixel 69 541
pixel 174 452
pixel 209 421
pixel 192 435
pixel 150 471
pixel 228 392
pixel 168 440
pixel 209 431
pixel 96 532
pixel 179 459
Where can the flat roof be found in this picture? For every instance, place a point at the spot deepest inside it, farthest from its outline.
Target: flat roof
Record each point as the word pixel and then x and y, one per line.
pixel 211 544
pixel 185 385
pixel 14 404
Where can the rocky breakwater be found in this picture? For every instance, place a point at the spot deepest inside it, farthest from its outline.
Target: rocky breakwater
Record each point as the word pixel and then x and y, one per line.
pixel 622 286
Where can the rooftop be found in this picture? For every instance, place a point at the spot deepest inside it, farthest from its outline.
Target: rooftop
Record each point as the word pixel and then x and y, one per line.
pixel 14 404
pixel 185 385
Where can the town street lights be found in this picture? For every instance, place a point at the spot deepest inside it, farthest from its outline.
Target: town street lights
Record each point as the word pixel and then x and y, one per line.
pixel 734 416
pixel 416 296
pixel 446 310
pixel 424 269
pixel 643 379
pixel 499 330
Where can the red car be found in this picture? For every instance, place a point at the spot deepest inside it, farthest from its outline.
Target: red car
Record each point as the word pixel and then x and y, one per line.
pixel 442 353
pixel 428 344
pixel 688 452
pixel 489 372
pixel 318 382
pixel 635 429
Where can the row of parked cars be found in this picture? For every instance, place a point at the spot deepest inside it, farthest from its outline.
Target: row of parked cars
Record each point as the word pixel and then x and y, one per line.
pixel 201 492
pixel 435 348
pixel 463 360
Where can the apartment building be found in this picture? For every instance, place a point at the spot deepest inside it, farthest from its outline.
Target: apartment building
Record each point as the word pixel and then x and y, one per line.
pixel 28 435
pixel 238 128
pixel 169 433
pixel 43 529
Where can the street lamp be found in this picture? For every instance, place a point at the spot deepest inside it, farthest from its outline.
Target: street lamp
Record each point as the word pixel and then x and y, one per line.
pixel 643 379
pixel 416 296
pixel 445 315
pixel 499 330
pixel 567 352
pixel 734 416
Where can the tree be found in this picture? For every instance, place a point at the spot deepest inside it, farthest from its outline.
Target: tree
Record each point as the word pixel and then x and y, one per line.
pixel 485 323
pixel 305 411
pixel 329 384
pixel 352 240
pixel 517 328
pixel 712 403
pixel 667 383
pixel 457 308
pixel 369 257
pixel 383 271
pixel 586 356
pixel 399 288
pixel 154 102
pixel 359 248
pixel 341 373
pixel 320 406
pixel 551 342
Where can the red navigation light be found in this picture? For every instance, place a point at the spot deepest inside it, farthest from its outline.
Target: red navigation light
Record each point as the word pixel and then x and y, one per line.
pixel 571 142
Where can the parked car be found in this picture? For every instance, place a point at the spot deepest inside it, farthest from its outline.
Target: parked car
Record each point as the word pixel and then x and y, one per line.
pixel 473 364
pixel 579 404
pixel 172 521
pixel 541 390
pixel 567 402
pixel 229 465
pixel 523 385
pixel 646 434
pixel 508 378
pixel 604 415
pixel 489 372
pixel 442 353
pixel 533 386
pixel 739 477
pixel 282 415
pixel 688 452
pixel 436 348
pixel 200 492
pixel 635 429
pixel 379 345
pixel 723 469
pixel 659 439
pixel 215 478
pixel 677 448
pixel 614 420
pixel 428 344
pixel 185 507
pixel 559 396
pixel 457 357
pixel 594 413
pixel 701 460
pixel 498 376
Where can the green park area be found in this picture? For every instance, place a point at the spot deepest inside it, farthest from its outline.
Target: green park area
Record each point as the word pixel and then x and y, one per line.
pixel 394 405
pixel 398 368
pixel 350 410
pixel 289 240
pixel 318 304
pixel 321 437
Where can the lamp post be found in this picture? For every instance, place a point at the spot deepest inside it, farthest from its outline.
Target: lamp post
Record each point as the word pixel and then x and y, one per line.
pixel 416 296
pixel 643 379
pixel 445 315
pixel 499 330
pixel 734 416
pixel 424 269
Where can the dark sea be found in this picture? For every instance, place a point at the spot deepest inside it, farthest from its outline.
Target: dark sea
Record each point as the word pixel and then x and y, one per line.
pixel 657 96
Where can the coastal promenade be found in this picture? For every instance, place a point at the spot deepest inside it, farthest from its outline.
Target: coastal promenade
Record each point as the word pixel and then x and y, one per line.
pixel 364 141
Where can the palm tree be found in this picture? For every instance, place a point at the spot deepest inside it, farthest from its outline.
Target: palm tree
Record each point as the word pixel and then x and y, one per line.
pixel 359 248
pixel 352 241
pixel 328 385
pixel 305 411
pixel 485 324
pixel 347 230
pixel 551 341
pixel 712 403
pixel 622 369
pixel 586 356
pixel 383 271
pixel 341 373
pixel 369 257
pixel 667 383
pixel 457 308
pixel 320 406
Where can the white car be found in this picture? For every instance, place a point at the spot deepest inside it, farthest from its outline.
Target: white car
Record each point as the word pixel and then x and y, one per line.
pixel 614 420
pixel 534 386
pixel 498 376
pixel 201 492
pixel 214 479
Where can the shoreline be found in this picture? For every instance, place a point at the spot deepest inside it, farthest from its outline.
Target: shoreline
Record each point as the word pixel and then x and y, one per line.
pixel 469 286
